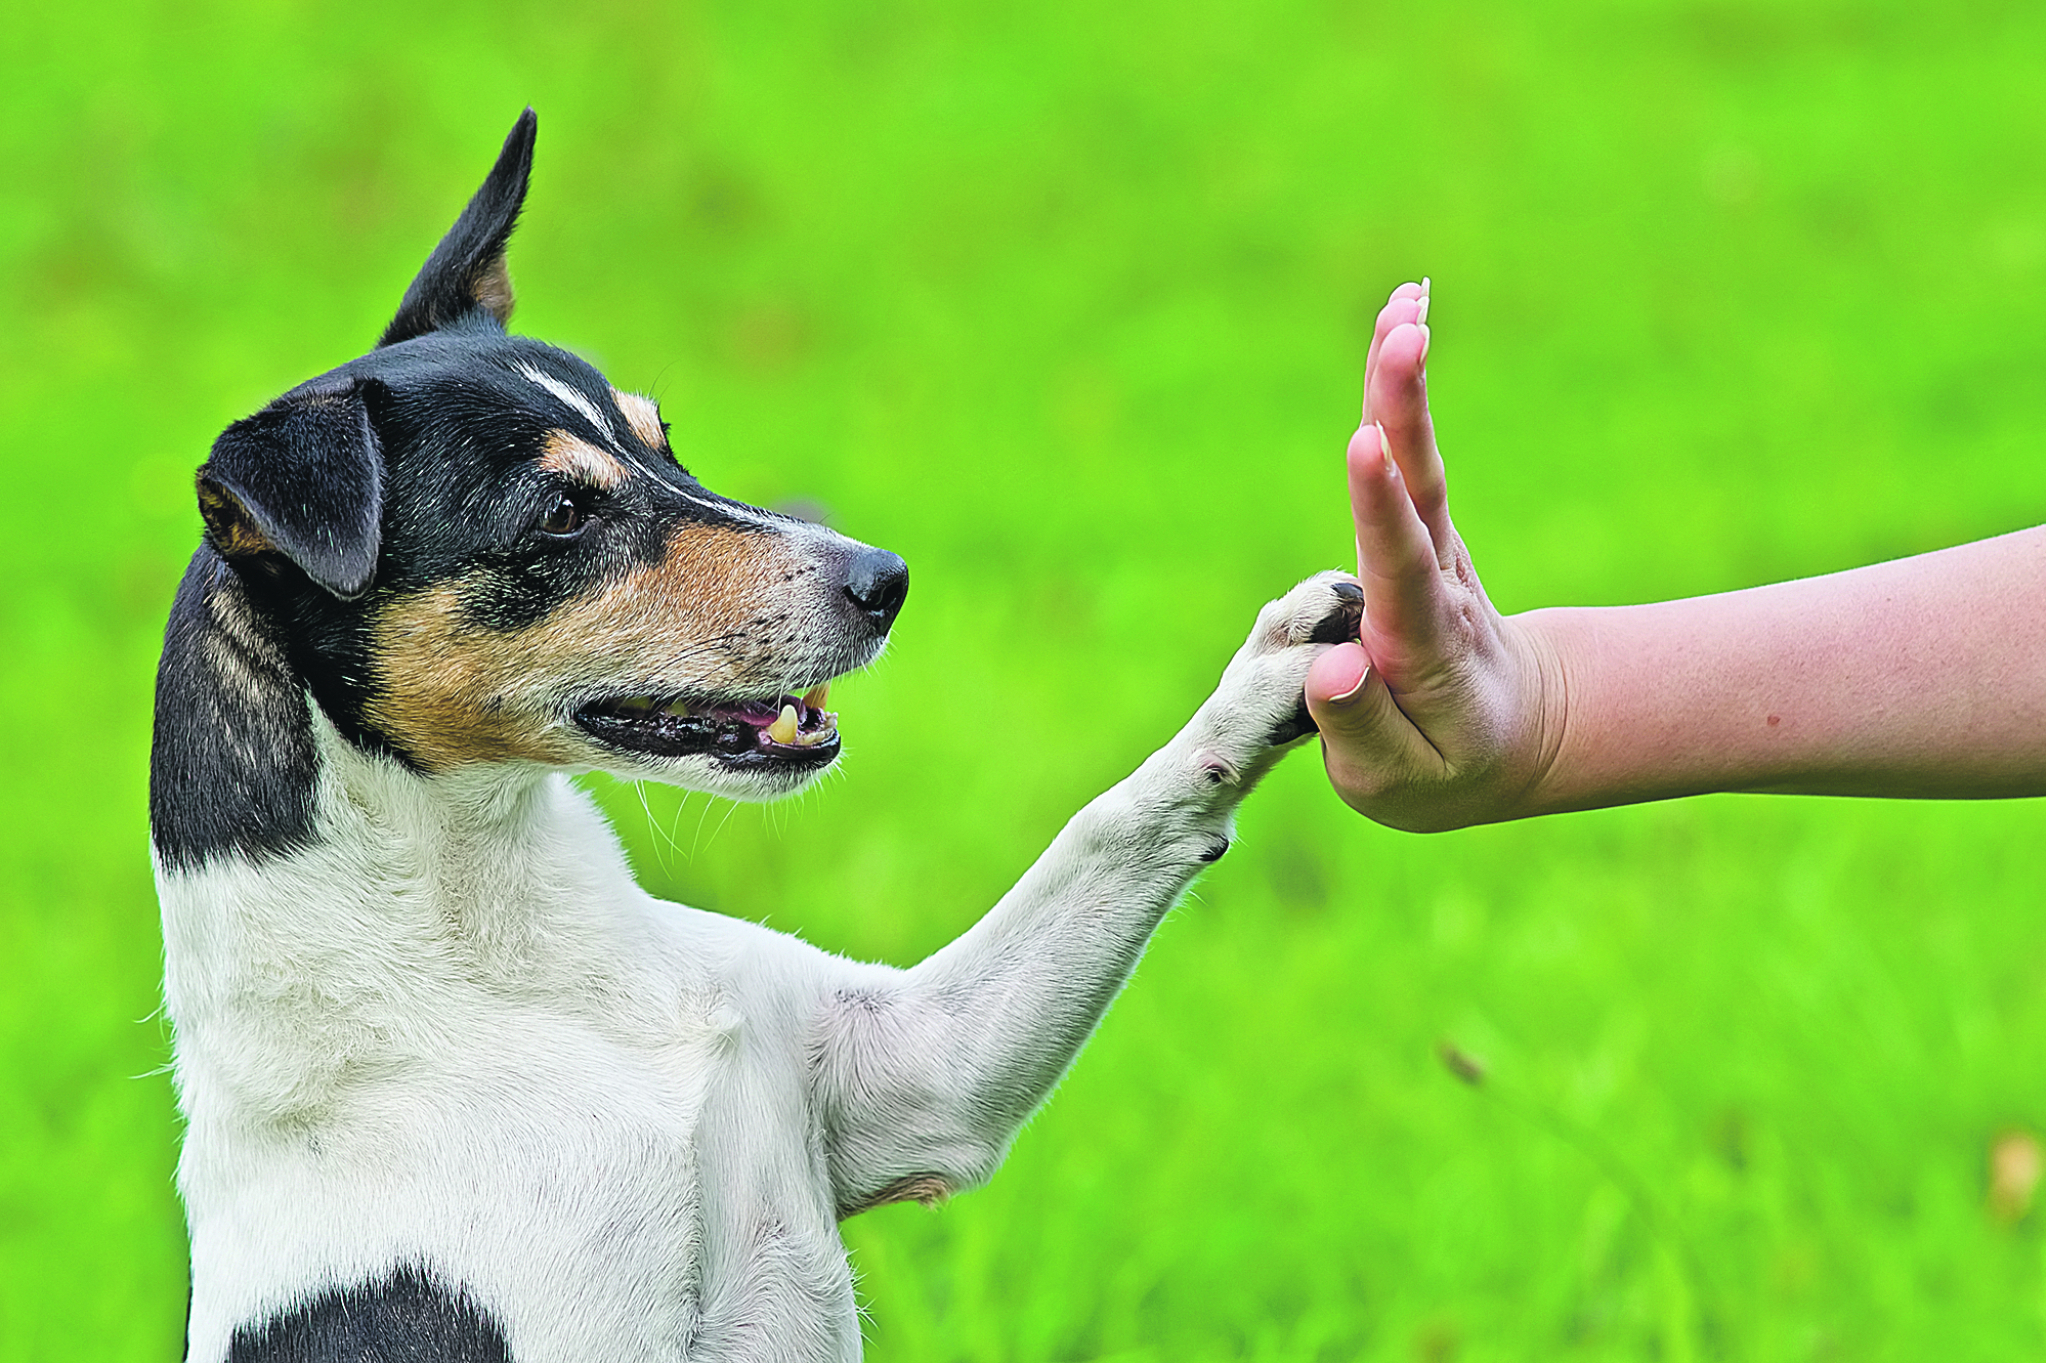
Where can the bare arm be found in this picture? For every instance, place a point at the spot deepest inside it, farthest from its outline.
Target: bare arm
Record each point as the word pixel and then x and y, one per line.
pixel 1923 677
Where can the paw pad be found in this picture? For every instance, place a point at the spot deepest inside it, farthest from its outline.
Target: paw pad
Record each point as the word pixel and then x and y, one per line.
pixel 1340 625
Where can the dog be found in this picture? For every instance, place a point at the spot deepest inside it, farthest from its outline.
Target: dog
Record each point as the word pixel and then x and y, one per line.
pixel 454 1087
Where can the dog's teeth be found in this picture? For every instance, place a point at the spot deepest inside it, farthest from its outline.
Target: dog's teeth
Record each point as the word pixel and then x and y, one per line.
pixel 827 727
pixel 676 708
pixel 783 730
pixel 817 695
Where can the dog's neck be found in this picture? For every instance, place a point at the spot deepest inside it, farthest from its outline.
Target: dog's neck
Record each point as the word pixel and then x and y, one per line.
pixel 368 896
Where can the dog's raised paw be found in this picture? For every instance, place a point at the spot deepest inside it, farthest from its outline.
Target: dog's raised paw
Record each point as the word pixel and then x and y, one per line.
pixel 1340 625
pixel 1325 609
pixel 1270 672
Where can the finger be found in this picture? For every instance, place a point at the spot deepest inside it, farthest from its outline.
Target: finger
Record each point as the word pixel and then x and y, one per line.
pixel 1399 400
pixel 1396 560
pixel 1345 697
pixel 1404 306
pixel 1365 738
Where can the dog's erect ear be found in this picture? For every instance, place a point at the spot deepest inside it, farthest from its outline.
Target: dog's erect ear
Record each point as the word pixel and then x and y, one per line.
pixel 465 274
pixel 302 478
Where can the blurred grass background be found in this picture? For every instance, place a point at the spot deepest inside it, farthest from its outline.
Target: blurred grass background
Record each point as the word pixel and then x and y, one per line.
pixel 1067 304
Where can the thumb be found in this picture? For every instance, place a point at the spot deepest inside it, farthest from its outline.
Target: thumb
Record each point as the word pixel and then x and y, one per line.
pixel 1351 706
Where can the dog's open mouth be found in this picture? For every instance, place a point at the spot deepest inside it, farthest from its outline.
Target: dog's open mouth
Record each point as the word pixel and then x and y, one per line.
pixel 794 731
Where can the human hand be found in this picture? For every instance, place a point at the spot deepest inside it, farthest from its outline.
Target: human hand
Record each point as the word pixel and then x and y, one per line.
pixel 1444 713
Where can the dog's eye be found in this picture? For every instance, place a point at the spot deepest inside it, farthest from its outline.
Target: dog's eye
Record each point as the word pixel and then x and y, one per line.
pixel 563 517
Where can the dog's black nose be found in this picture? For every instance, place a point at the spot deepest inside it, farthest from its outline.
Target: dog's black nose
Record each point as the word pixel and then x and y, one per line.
pixel 877 582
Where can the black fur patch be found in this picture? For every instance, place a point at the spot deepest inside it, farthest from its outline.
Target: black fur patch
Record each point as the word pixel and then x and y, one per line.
pixel 232 766
pixel 308 472
pixel 464 278
pixel 409 1317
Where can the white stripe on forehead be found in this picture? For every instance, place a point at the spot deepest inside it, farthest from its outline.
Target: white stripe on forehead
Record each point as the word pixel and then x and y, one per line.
pixel 572 398
pixel 737 511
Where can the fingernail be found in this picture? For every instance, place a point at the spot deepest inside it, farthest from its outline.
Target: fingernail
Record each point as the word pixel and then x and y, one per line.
pixel 1392 470
pixel 1426 335
pixel 1351 694
pixel 1421 315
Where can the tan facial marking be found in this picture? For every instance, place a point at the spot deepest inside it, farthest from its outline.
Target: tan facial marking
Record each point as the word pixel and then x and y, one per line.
pixel 643 417
pixel 579 461
pixel 450 692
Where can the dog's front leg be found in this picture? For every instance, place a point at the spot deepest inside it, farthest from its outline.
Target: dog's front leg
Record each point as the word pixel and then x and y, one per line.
pixel 923 1076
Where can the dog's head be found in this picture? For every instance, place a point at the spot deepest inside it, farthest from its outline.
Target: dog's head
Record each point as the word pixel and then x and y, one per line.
pixel 474 549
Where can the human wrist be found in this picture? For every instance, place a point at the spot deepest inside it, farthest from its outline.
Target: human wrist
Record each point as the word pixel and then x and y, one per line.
pixel 1543 666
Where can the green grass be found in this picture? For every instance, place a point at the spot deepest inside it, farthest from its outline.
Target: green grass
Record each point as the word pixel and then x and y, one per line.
pixel 1067 305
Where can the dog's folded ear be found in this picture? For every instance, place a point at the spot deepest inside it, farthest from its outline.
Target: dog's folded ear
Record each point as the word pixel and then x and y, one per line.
pixel 302 478
pixel 465 277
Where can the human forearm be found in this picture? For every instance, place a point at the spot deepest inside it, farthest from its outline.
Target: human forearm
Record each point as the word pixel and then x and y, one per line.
pixel 1923 677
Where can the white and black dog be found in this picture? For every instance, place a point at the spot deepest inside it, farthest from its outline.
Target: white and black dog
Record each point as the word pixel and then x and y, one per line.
pixel 455 1087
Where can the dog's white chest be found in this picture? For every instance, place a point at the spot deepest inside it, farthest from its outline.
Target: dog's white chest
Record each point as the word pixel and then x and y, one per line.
pixel 377 1073
pixel 552 1172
